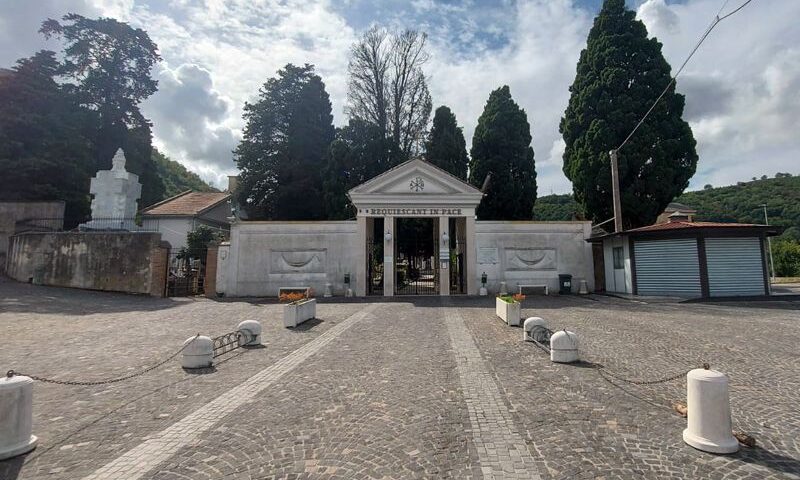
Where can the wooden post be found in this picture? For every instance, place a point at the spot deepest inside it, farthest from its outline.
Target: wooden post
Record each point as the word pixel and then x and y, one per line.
pixel 615 191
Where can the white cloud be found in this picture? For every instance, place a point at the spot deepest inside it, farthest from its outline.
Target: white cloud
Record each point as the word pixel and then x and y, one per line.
pixel 741 87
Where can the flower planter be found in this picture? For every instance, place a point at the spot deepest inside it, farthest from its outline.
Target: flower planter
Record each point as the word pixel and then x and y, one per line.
pixel 508 311
pixel 298 312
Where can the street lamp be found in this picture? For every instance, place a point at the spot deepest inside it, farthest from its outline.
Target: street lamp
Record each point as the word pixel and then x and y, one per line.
pixel 769 243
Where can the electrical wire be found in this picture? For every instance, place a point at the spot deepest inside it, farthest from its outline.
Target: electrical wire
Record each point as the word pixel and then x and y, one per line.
pixel 716 21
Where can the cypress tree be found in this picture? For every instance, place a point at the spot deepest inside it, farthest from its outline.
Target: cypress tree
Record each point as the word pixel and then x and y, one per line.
pixel 285 147
pixel 502 145
pixel 619 75
pixel 446 147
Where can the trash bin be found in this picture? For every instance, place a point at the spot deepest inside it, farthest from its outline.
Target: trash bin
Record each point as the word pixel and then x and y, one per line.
pixel 564 284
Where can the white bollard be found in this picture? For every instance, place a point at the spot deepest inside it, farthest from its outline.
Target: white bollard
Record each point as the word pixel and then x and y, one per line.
pixel 16 416
pixel 564 347
pixel 252 326
pixel 528 325
pixel 348 293
pixel 328 290
pixel 708 425
pixel 584 289
pixel 503 288
pixel 200 354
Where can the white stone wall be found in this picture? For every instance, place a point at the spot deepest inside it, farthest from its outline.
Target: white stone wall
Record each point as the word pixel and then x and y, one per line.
pixel 533 253
pixel 264 256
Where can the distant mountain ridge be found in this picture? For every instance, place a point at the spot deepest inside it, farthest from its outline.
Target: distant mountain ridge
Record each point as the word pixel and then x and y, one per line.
pixel 177 178
pixel 735 203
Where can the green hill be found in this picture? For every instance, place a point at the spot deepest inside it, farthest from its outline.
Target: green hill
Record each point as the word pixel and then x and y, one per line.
pixel 736 203
pixel 177 178
pixel 742 203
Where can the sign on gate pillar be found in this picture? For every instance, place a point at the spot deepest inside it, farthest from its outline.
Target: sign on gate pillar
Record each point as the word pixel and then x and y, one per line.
pixel 388 256
pixel 444 255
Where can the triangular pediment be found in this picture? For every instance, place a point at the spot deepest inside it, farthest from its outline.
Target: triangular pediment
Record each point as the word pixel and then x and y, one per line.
pixel 415 178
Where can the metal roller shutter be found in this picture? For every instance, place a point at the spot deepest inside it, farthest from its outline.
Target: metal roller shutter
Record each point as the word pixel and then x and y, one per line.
pixel 734 266
pixel 667 267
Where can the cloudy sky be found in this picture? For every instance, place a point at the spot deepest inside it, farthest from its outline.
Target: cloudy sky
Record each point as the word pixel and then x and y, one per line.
pixel 742 88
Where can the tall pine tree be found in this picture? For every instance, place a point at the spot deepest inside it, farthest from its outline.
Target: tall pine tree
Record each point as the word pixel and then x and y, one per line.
pixel 502 145
pixel 445 146
pixel 619 75
pixel 285 147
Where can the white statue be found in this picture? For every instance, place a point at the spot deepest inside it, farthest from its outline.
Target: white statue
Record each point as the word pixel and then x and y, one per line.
pixel 115 195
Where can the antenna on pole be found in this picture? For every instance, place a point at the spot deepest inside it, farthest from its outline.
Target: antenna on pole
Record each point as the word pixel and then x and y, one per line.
pixel 615 191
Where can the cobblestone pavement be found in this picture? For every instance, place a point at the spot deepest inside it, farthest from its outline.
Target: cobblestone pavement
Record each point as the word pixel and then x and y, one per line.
pixel 422 388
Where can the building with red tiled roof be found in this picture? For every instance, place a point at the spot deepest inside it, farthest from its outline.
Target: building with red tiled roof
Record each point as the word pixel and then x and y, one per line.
pixel 686 259
pixel 176 216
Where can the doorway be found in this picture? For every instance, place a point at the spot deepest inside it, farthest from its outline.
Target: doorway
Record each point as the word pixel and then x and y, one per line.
pixel 416 262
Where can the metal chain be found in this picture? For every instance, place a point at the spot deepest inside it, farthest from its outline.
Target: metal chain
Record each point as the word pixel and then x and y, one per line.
pixel 11 373
pixel 603 370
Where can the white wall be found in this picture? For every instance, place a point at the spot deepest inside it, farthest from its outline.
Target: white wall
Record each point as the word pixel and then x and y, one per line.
pixel 174 230
pixel 533 253
pixel 265 256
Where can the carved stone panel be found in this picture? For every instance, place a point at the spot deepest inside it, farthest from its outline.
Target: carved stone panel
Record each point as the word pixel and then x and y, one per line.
pixel 530 259
pixel 297 261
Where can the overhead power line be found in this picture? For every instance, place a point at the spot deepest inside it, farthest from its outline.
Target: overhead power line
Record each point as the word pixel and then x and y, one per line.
pixel 716 21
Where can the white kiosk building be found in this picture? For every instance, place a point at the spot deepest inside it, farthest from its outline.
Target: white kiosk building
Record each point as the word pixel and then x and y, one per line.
pixel 415 233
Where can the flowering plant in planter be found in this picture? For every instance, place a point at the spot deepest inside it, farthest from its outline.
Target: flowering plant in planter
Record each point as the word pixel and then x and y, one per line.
pixel 297 296
pixel 507 307
pixel 301 307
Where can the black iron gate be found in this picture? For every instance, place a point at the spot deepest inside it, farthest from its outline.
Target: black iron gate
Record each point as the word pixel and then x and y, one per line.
pixel 458 264
pixel 416 270
pixel 186 271
pixel 374 263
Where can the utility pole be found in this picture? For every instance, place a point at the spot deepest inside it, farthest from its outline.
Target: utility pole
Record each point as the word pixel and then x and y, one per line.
pixel 615 191
pixel 769 244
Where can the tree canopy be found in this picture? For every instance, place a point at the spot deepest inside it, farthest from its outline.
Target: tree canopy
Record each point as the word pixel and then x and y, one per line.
pixel 502 145
pixel 285 147
pixel 359 153
pixel 446 147
pixel 620 74
pixel 44 151
pixel 107 64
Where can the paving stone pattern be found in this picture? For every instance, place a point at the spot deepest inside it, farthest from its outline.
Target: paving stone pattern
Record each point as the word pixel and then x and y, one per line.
pixel 501 450
pixel 137 462
pixel 397 389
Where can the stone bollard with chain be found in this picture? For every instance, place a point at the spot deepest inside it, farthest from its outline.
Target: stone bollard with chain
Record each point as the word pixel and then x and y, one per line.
pixel 529 325
pixel 708 424
pixel 564 347
pixel 198 352
pixel 16 416
pixel 254 328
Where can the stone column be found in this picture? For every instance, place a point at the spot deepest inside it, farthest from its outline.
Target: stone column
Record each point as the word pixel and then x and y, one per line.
pixel 444 256
pixel 210 280
pixel 388 256
pixel 360 275
pixel 159 256
pixel 472 256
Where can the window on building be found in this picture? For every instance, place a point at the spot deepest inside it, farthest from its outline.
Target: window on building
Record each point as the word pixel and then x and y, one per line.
pixel 619 262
